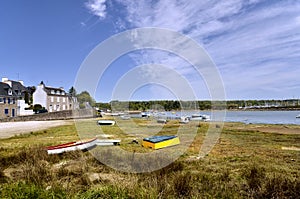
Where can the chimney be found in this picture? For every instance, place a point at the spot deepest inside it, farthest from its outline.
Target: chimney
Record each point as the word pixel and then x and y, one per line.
pixel 4 79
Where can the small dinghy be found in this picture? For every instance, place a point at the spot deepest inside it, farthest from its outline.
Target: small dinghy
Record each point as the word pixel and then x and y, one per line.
pixel 72 146
pixel 106 122
pixel 163 121
pixel 108 142
pixel 184 120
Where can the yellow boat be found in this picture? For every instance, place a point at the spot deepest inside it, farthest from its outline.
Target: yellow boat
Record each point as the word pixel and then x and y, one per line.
pixel 158 142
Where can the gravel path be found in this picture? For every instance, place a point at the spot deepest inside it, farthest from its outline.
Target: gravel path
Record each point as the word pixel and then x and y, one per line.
pixel 9 129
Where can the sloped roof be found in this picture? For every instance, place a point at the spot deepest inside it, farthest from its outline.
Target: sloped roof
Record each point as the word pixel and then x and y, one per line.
pixel 18 86
pixel 49 89
pixel 4 89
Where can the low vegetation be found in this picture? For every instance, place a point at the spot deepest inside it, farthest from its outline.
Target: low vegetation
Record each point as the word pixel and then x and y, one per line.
pixel 245 163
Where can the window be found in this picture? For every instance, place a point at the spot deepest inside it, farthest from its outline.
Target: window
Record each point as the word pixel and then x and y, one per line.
pixel 57 99
pixel 52 92
pixel 64 107
pixel 8 100
pixel 64 99
pixel 4 100
pixel 52 99
pixel 9 92
pixel 6 111
pixel 1 100
pixel 57 93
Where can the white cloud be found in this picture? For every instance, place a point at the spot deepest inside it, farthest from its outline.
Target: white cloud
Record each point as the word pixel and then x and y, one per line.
pixel 97 8
pixel 254 43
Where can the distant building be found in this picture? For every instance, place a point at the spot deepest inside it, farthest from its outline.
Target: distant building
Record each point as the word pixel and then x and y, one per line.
pixel 54 99
pixel 8 101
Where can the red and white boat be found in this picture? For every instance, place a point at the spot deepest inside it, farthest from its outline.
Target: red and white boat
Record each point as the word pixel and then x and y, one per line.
pixel 72 146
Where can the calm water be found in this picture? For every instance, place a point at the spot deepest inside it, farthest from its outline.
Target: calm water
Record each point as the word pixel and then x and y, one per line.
pixel 266 117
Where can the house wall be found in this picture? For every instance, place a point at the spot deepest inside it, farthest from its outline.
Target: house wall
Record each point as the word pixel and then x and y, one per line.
pixel 40 96
pixel 8 109
pixel 57 103
pixel 21 108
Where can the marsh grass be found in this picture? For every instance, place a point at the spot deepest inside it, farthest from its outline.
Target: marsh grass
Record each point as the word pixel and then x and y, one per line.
pixel 244 164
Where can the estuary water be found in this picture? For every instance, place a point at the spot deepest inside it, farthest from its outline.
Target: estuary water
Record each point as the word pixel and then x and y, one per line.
pixel 254 117
pixel 265 117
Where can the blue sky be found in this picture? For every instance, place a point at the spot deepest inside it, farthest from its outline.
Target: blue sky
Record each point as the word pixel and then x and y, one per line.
pixel 255 44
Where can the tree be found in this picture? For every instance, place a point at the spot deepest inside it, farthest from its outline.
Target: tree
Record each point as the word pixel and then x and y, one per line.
pixel 39 109
pixel 26 98
pixel 83 98
pixel 72 91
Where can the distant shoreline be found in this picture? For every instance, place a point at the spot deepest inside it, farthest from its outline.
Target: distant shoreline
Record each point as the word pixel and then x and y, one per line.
pixel 266 109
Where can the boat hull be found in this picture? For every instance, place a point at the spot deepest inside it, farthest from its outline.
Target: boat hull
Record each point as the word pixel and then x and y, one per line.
pixel 106 122
pixel 158 142
pixel 72 146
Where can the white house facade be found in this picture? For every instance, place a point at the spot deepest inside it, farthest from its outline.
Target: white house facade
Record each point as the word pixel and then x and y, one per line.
pixel 53 99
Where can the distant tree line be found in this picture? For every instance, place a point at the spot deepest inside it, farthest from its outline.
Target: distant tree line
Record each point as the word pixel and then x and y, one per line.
pixel 174 105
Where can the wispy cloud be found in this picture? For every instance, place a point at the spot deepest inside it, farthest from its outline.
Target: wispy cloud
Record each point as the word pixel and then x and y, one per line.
pixel 97 8
pixel 254 43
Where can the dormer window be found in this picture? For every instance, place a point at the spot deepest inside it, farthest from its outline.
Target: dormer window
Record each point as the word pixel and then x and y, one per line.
pixel 63 93
pixel 9 92
pixel 52 92
pixel 57 92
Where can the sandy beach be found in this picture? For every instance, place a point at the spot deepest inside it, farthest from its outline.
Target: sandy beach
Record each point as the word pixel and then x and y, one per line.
pixel 9 129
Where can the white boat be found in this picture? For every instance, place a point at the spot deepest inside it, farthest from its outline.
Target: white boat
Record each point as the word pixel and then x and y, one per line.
pixel 205 118
pixel 199 117
pixel 196 115
pixel 164 121
pixel 125 117
pixel 106 122
pixel 72 146
pixel 184 120
pixel 144 114
pixel 298 116
pixel 108 142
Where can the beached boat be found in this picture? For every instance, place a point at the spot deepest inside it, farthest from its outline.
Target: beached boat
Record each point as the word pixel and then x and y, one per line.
pixel 158 142
pixel 106 122
pixel 125 117
pixel 184 120
pixel 72 146
pixel 164 121
pixel 108 142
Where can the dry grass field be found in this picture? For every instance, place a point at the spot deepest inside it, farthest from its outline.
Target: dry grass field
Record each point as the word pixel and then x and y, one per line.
pixel 248 161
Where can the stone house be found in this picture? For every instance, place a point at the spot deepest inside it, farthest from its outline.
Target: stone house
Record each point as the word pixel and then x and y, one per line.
pixel 22 93
pixel 8 101
pixel 54 99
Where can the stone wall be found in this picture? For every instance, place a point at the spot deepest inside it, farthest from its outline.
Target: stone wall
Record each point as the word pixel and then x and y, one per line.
pixel 60 115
